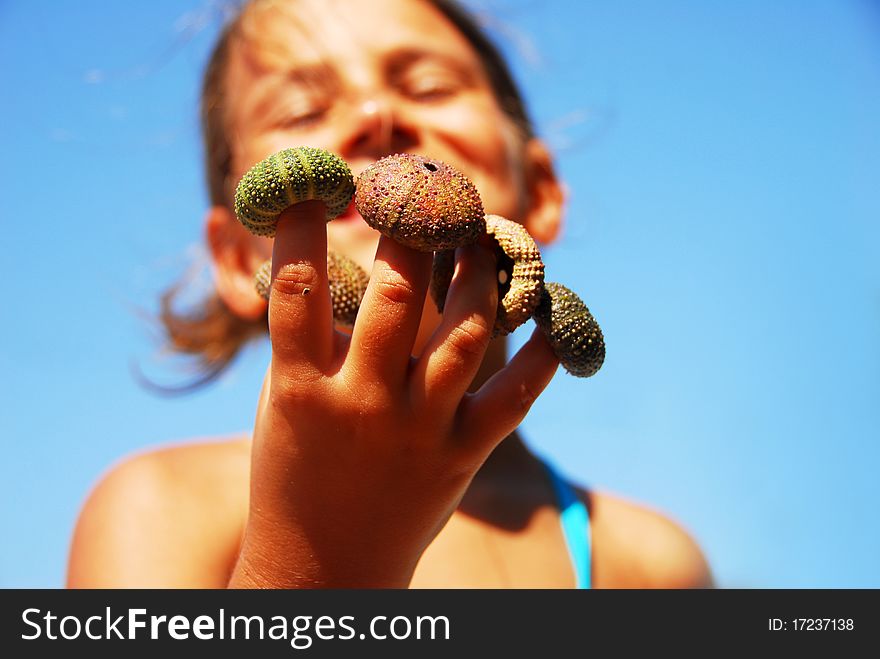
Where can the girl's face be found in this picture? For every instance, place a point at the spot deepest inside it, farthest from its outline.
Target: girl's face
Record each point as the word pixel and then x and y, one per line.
pixel 364 80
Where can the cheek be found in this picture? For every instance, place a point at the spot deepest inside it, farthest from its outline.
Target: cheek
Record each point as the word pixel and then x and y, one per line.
pixel 260 247
pixel 487 152
pixel 250 147
pixel 355 240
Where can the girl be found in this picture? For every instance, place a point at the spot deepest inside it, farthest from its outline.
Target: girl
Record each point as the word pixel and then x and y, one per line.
pixel 387 457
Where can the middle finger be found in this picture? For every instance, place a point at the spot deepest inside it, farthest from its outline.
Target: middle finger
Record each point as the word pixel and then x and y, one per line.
pixel 390 314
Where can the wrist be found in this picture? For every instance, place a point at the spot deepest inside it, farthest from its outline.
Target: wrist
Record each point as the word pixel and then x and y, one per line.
pixel 278 558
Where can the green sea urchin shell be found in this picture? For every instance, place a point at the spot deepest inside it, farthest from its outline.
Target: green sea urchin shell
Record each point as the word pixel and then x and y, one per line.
pixel 520 274
pixel 348 282
pixel 422 203
pixel 287 178
pixel 571 330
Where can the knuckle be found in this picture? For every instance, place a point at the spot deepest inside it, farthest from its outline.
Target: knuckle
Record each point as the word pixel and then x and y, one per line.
pixel 296 279
pixel 470 337
pixel 527 397
pixel 375 401
pixel 289 389
pixel 394 288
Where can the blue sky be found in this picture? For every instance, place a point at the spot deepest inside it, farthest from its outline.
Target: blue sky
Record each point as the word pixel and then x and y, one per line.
pixel 722 160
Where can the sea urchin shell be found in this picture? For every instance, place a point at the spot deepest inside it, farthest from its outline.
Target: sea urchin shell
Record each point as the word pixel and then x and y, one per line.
pixel 421 203
pixel 524 280
pixel 571 330
pixel 520 274
pixel 348 282
pixel 289 177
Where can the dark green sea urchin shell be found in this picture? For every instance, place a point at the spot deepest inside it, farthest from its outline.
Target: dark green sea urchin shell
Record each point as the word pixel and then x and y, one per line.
pixel 571 330
pixel 520 274
pixel 287 178
pixel 422 203
pixel 348 282
pixel 441 276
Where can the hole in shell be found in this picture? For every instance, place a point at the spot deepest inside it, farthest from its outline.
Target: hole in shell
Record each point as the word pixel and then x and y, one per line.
pixel 431 167
pixel 505 272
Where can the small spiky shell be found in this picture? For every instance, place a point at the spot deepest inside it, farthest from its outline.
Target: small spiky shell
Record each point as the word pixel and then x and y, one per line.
pixel 348 282
pixel 520 274
pixel 525 281
pixel 571 330
pixel 289 177
pixel 422 203
pixel 263 280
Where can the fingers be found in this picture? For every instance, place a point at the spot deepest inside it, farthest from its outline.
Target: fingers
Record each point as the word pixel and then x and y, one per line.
pixel 391 311
pixel 300 313
pixel 453 355
pixel 495 411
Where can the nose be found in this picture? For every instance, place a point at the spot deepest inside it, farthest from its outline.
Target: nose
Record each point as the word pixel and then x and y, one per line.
pixel 376 127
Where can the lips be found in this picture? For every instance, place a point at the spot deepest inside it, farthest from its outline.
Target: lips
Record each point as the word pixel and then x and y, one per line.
pixel 351 223
pixel 350 214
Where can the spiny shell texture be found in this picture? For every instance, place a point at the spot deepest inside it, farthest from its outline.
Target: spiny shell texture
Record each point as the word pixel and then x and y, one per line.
pixel 263 280
pixel 520 274
pixel 289 177
pixel 526 280
pixel 422 203
pixel 429 206
pixel 348 282
pixel 571 330
pixel 441 276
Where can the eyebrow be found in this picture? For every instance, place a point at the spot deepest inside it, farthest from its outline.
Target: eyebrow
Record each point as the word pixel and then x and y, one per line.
pixel 398 61
pixel 308 75
pixel 323 75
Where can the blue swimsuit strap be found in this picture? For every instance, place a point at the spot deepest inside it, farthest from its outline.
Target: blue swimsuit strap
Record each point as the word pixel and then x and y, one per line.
pixel 575 523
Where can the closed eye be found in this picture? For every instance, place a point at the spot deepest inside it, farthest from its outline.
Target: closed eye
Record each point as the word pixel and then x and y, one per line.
pixel 299 119
pixel 431 89
pixel 298 111
pixel 429 78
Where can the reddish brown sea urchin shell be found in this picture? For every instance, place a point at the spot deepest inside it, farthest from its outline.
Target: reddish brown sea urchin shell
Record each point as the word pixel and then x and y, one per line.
pixel 421 203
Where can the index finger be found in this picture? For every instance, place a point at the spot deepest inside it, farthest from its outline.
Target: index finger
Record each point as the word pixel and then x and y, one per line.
pixel 300 312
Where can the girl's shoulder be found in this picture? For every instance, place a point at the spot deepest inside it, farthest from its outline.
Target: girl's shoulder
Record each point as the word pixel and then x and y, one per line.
pixel 165 517
pixel 636 546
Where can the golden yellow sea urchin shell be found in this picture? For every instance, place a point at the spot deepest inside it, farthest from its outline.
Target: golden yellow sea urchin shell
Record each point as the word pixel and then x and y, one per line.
pixel 522 271
pixel 520 274
pixel 348 282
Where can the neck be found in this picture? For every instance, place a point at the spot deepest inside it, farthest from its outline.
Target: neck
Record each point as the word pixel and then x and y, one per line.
pixel 511 454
